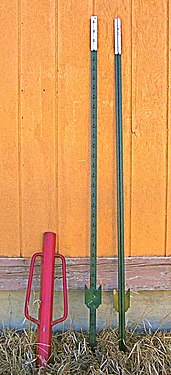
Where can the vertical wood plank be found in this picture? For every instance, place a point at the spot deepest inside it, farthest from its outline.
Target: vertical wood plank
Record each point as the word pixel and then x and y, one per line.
pixel 149 40
pixel 107 197
pixel 38 123
pixel 168 234
pixel 29 192
pixel 9 196
pixel 74 126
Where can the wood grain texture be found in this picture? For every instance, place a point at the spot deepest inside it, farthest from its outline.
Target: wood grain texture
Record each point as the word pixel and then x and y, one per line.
pixel 74 126
pixel 45 126
pixel 149 129
pixel 168 213
pixel 107 206
pixel 141 273
pixel 38 148
pixel 9 176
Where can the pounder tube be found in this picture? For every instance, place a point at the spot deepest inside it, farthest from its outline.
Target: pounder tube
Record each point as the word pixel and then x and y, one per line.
pixel 46 298
pixel 45 322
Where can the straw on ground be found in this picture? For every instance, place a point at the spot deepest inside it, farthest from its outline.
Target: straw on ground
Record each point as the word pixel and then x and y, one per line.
pixel 147 353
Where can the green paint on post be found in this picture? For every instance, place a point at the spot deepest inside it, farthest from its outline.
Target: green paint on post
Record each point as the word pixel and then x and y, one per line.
pixel 93 295
pixel 120 189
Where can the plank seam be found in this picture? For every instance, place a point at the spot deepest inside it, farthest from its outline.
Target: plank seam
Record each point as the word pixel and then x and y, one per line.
pixel 131 149
pixel 19 127
pixel 56 114
pixel 167 132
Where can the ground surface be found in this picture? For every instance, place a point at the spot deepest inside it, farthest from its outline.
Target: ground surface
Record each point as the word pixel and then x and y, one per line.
pixel 147 353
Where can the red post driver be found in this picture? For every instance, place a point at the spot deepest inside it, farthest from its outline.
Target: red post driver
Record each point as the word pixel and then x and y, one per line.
pixel 45 322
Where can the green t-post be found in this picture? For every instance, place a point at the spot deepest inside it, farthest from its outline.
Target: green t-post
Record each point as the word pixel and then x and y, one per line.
pixel 120 189
pixel 93 295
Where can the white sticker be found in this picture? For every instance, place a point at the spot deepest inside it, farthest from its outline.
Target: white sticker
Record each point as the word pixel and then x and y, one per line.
pixel 94 33
pixel 117 36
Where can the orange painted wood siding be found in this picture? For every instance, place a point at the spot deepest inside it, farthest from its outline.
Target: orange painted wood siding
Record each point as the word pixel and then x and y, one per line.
pixel 45 126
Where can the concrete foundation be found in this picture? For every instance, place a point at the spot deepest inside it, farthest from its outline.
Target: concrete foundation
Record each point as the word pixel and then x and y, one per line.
pixel 149 308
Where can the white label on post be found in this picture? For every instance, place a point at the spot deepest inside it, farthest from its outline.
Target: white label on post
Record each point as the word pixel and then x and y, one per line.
pixel 117 36
pixel 94 33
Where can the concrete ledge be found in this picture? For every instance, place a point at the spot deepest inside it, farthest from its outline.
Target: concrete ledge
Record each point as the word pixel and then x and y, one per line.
pixel 151 309
pixel 152 273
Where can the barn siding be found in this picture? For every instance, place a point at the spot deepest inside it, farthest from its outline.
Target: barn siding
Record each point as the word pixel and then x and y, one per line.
pixel 168 184
pixel 9 145
pixel 149 127
pixel 45 126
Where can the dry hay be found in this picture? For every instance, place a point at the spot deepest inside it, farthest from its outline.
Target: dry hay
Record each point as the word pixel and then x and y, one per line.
pixel 147 353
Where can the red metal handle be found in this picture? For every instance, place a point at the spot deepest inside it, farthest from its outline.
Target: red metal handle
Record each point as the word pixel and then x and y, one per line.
pixel 65 294
pixel 28 293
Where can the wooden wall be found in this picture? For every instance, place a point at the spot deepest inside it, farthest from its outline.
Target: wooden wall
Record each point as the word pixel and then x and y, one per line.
pixel 45 125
